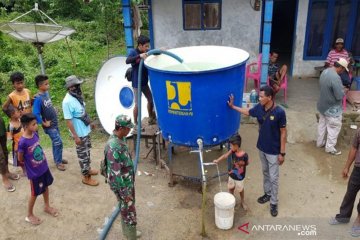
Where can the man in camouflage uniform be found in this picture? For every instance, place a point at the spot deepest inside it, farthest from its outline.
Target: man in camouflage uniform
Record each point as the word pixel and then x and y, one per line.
pixel 121 176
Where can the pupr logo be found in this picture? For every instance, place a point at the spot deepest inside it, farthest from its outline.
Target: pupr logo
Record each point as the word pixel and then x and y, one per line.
pixel 179 98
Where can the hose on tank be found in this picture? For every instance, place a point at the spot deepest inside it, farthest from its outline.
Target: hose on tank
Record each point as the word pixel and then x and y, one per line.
pixel 151 52
pixel 116 212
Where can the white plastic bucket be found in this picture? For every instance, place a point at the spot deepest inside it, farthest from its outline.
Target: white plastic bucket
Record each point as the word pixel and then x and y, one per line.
pixel 224 210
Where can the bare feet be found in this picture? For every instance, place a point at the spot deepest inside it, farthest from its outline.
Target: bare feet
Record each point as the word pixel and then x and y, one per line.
pixel 244 206
pixel 13 176
pixel 52 211
pixel 33 220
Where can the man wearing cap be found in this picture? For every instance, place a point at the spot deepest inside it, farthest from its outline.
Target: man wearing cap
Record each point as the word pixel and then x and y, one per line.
pixel 334 55
pixel 121 176
pixel 78 122
pixel 330 106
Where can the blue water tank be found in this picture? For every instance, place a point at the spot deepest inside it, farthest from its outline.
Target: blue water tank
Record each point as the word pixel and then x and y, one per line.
pixel 191 98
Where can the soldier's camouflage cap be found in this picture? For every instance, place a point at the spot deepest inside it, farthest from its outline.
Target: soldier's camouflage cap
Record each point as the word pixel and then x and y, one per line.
pixel 123 121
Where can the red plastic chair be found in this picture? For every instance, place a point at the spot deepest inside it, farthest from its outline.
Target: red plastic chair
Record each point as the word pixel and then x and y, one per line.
pixel 255 75
pixel 283 86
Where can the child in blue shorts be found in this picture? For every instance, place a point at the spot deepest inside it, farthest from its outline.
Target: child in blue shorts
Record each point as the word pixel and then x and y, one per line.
pixel 239 161
pixel 31 153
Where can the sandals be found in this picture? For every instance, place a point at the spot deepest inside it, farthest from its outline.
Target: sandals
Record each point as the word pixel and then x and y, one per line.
pixel 355 231
pixel 61 167
pixel 64 161
pixel 10 188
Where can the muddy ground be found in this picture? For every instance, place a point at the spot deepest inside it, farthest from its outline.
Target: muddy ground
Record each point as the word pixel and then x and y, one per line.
pixel 311 191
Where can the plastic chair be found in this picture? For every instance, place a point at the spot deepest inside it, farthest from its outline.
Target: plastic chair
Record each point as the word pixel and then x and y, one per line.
pixel 255 75
pixel 283 86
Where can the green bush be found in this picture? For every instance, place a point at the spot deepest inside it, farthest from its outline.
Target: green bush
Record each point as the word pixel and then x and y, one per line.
pixel 99 35
pixel 89 50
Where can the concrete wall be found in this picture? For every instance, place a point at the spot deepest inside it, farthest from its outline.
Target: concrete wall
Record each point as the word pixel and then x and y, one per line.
pixel 301 67
pixel 240 27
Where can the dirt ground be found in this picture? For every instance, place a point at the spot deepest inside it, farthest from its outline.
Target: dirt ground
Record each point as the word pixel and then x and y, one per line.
pixel 310 192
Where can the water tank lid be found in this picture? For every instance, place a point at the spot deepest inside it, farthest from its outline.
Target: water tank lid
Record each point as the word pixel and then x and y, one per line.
pixel 224 200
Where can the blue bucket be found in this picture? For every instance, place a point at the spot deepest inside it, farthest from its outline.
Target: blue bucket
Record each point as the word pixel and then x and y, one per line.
pixel 190 98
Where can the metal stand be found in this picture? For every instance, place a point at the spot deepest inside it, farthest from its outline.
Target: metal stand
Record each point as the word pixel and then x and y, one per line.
pixel 152 136
pixel 203 178
pixel 170 166
pixel 39 47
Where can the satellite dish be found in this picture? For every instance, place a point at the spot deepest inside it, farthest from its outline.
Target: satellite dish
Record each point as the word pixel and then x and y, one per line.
pixel 36 33
pixel 114 94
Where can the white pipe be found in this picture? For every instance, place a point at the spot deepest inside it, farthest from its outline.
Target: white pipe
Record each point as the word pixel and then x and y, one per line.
pixel 201 148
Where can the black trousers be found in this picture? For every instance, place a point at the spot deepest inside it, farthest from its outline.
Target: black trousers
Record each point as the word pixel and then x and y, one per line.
pixel 345 79
pixel 347 204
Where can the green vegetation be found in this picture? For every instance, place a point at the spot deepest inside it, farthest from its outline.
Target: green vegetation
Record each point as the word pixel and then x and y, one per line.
pixel 99 35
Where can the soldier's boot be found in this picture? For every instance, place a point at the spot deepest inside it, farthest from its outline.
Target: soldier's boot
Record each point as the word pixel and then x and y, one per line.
pixel 93 172
pixel 89 181
pixel 124 229
pixel 130 232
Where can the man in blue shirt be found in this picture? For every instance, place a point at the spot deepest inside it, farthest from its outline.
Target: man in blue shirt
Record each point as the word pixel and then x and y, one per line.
pixel 271 142
pixel 78 122
pixel 134 59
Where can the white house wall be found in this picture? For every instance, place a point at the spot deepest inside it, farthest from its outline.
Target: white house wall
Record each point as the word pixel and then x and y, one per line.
pixel 240 27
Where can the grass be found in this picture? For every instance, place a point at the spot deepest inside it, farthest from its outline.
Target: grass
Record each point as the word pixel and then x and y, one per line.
pixel 88 52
